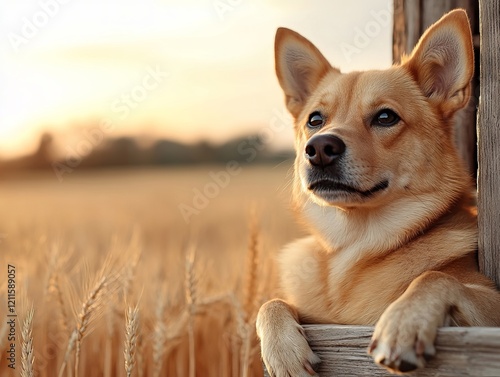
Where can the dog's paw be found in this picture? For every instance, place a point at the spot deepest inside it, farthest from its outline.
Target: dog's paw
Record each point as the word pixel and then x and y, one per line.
pixel 404 336
pixel 284 346
pixel 288 354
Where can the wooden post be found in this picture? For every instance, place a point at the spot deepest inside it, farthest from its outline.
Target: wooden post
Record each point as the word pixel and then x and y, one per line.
pixel 411 19
pixel 489 141
pixel 398 32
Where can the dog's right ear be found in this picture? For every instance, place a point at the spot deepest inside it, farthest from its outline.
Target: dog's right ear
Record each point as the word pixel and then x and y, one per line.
pixel 299 67
pixel 442 63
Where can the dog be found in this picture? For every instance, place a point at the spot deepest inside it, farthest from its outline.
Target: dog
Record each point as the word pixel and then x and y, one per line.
pixel 388 203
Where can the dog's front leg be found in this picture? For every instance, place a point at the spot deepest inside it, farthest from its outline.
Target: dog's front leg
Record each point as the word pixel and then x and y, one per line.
pixel 284 347
pixel 404 336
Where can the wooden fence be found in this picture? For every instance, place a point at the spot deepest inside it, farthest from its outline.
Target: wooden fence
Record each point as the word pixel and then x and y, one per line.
pixel 461 351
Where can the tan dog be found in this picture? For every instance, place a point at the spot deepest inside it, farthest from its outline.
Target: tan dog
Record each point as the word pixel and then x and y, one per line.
pixel 387 200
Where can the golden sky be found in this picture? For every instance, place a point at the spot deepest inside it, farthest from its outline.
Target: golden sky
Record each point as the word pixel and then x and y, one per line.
pixel 184 69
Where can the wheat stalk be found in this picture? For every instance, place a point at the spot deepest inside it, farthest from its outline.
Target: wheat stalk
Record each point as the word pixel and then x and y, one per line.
pixel 190 292
pixel 163 336
pixel 132 324
pixel 89 306
pixel 159 335
pixel 140 355
pixel 69 350
pixel 159 340
pixel 90 309
pixel 133 255
pixel 27 356
pixel 249 309
pixel 53 288
pixel 252 263
pixel 56 289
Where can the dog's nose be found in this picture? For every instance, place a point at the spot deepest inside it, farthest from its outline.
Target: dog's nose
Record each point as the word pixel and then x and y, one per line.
pixel 323 150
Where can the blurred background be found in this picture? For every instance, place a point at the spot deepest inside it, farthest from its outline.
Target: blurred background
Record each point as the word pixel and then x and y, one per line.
pixel 191 72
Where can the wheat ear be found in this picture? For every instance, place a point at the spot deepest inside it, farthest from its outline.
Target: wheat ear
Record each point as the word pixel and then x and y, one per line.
pixel 55 287
pixel 252 264
pixel 250 299
pixel 89 310
pixel 164 338
pixel 89 306
pixel 159 335
pixel 27 356
pixel 132 324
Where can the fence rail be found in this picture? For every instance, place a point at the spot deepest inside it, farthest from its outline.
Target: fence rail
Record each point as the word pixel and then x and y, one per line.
pixel 461 351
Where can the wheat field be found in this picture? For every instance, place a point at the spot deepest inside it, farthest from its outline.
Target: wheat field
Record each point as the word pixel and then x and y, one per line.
pixel 110 280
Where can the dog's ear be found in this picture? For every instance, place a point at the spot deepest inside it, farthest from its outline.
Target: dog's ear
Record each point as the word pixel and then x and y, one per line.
pixel 299 67
pixel 442 62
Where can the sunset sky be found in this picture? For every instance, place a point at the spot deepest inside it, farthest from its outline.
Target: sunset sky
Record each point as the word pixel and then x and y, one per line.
pixel 183 69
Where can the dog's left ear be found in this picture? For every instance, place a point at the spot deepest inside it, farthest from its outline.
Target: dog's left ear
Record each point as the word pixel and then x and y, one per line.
pixel 299 67
pixel 442 63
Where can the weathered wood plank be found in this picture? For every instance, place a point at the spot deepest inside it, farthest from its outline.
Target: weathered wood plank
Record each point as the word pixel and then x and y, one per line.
pixel 413 20
pixel 489 141
pixel 461 351
pixel 398 32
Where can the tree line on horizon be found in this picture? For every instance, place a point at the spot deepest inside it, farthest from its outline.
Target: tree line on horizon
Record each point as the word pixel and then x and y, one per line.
pixel 130 151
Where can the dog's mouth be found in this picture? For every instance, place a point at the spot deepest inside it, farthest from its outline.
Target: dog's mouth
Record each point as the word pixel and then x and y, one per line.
pixel 328 186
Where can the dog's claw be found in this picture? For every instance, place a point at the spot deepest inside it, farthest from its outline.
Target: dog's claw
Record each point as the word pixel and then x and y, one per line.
pixel 372 346
pixel 309 368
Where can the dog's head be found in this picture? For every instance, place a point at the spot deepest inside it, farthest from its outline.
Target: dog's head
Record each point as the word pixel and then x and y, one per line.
pixel 366 138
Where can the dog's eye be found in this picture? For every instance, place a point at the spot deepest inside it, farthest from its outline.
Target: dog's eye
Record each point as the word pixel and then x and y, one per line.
pixel 315 120
pixel 385 118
